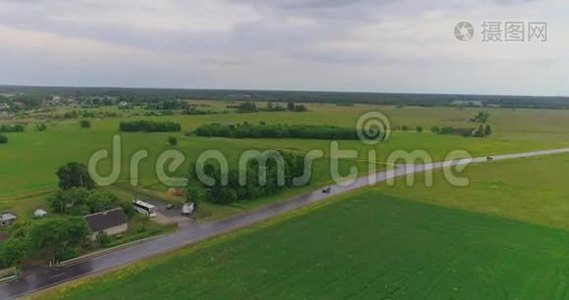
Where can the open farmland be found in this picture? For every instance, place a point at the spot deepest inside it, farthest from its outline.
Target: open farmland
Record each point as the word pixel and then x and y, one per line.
pixel 366 245
pixel 42 152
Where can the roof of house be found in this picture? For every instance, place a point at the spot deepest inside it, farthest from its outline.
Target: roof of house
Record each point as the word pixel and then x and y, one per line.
pixel 8 217
pixel 107 219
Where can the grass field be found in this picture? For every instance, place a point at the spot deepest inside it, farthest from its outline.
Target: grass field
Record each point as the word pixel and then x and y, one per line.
pixel 532 190
pixel 367 245
pixel 30 159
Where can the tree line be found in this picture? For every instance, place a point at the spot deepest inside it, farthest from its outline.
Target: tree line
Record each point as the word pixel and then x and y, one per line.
pixel 262 130
pixel 149 126
pixel 12 128
pixel 254 187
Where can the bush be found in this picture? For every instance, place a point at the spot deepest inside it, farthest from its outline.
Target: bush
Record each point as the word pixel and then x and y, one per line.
pixel 85 124
pixel 41 127
pixel 419 129
pixel 3 139
pixel 149 126
pixel 172 141
pixel 12 128
pixel 104 239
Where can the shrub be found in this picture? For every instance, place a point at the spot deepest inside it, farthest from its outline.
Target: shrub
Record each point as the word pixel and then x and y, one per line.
pixel 85 124
pixel 172 141
pixel 3 139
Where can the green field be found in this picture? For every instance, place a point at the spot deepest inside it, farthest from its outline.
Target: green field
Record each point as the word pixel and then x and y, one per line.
pixel 367 245
pixel 31 158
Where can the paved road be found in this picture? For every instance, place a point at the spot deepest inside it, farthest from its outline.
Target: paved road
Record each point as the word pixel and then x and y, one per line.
pixel 40 278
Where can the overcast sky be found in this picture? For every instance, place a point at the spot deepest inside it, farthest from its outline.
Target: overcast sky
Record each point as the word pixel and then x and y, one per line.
pixel 340 45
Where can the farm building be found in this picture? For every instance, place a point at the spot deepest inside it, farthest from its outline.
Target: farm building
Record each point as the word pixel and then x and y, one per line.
pixel 111 222
pixel 7 219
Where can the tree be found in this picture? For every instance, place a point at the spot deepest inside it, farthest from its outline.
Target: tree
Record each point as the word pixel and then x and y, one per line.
pixel 3 139
pixel 57 236
pixel 488 130
pixel 70 201
pixel 41 127
pixel 172 141
pixel 74 174
pixel 85 124
pixel 419 129
pixel 435 129
pixel 12 252
pixel 405 128
pixel 482 117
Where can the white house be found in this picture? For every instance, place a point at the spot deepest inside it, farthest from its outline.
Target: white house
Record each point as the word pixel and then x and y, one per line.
pixel 111 222
pixel 7 219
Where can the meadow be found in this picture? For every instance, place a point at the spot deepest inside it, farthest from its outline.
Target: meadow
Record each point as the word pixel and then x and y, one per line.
pixel 29 161
pixel 362 245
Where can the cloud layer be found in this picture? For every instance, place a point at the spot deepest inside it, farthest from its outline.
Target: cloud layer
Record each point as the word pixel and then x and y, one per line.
pixel 387 45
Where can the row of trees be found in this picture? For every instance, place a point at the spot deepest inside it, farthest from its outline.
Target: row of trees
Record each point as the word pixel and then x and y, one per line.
pixel 249 107
pixel 149 126
pixel 254 186
pixel 12 128
pixel 262 130
pixel 483 130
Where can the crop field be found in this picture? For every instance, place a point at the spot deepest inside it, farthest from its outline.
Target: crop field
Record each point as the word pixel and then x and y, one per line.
pixel 532 190
pixel 29 161
pixel 364 245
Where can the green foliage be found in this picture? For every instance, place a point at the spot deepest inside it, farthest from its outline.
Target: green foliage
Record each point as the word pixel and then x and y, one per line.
pixel 104 239
pixel 149 126
pixel 405 128
pixel 57 236
pixel 254 187
pixel 12 252
pixel 173 141
pixel 291 106
pixel 419 129
pixel 246 107
pixel 12 128
pixel 435 129
pixel 85 124
pixel 41 127
pixel 482 117
pixel 247 130
pixel 3 139
pixel 81 201
pixel 74 174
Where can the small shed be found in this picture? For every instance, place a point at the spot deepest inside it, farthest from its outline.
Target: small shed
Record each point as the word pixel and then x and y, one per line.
pixel 40 213
pixel 110 222
pixel 7 219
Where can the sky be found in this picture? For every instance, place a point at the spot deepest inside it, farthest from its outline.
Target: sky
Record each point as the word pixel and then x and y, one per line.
pixel 328 45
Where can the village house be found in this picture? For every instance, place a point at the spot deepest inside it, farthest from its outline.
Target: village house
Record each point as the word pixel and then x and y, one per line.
pixel 111 222
pixel 7 219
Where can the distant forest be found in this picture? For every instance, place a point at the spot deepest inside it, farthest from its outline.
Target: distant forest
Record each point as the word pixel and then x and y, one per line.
pixel 138 95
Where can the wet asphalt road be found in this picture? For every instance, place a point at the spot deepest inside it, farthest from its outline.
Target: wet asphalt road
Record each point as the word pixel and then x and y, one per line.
pixel 39 278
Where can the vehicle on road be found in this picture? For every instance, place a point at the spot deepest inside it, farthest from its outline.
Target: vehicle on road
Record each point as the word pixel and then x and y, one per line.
pixel 489 158
pixel 326 190
pixel 145 208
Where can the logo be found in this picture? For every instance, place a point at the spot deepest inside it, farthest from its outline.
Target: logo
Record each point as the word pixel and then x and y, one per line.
pixel 464 31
